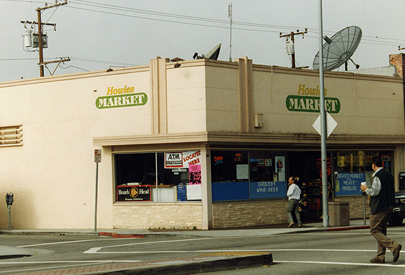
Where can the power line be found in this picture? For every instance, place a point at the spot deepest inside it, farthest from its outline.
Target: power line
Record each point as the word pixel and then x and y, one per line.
pixel 210 22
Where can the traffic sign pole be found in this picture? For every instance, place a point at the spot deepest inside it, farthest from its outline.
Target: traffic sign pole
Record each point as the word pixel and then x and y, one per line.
pixel 97 159
pixel 323 125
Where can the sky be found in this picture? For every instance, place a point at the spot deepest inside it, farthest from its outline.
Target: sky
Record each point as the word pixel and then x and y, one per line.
pixel 102 34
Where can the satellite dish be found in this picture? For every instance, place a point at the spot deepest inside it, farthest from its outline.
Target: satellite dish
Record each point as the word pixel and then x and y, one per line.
pixel 338 49
pixel 213 54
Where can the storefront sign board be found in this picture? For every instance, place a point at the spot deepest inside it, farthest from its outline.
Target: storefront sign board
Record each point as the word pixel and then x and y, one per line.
pixel 348 184
pixel 173 160
pixel 268 189
pixel 133 193
pixel 182 159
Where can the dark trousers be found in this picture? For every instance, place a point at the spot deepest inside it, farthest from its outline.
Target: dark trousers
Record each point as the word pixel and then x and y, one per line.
pixel 378 229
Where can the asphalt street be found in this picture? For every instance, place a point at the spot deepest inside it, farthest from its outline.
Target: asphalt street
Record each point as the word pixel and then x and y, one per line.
pixel 308 250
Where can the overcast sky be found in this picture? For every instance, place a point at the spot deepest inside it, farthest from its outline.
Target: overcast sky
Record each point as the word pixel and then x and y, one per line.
pixel 99 34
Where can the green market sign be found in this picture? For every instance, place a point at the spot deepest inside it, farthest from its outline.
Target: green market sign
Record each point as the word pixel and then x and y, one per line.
pixel 296 103
pixel 121 100
pixel 308 100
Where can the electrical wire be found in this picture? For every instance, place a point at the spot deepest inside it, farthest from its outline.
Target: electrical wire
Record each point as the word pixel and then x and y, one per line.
pixel 250 26
pixel 209 22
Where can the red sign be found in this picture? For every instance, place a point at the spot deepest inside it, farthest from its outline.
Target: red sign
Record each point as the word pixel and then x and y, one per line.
pixel 97 155
pixel 328 166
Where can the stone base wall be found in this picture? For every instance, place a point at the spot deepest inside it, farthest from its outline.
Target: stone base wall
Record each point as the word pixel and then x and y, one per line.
pixel 158 215
pixel 249 213
pixel 256 213
pixel 225 214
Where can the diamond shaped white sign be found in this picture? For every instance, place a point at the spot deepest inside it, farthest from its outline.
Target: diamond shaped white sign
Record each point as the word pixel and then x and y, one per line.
pixel 330 124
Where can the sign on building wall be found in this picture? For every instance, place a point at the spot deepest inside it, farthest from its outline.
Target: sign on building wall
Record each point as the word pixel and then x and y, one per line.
pixel 308 99
pixel 105 102
pixel 349 184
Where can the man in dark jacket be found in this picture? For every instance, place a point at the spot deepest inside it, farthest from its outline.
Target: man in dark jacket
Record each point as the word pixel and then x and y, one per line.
pixel 382 199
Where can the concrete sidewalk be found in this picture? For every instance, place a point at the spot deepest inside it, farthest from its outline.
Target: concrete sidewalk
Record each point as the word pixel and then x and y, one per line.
pixel 186 265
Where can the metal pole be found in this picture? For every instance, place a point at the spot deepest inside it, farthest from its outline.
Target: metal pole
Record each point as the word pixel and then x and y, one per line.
pixel 95 208
pixel 9 216
pixel 364 208
pixel 323 125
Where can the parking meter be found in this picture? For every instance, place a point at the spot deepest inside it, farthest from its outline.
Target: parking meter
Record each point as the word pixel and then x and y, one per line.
pixel 9 199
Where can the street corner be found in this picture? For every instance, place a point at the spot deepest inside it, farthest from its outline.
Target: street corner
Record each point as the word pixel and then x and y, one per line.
pixel 9 252
pixel 239 259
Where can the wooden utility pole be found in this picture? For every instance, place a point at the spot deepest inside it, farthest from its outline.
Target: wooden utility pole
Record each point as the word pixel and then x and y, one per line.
pixel 40 46
pixel 291 35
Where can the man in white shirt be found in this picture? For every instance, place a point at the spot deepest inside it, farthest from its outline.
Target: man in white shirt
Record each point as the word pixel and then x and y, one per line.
pixel 293 194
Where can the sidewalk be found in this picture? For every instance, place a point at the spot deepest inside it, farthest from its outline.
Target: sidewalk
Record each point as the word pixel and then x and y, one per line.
pixel 206 262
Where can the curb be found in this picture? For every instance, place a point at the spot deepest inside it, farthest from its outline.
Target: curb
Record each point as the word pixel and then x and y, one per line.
pixel 199 266
pixel 349 228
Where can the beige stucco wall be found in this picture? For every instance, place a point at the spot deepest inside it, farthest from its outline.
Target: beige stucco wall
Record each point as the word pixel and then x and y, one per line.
pixel 53 173
pixel 365 100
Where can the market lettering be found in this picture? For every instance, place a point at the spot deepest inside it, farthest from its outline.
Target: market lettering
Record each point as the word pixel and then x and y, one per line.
pixel 120 91
pixel 138 99
pixel 302 90
pixel 311 104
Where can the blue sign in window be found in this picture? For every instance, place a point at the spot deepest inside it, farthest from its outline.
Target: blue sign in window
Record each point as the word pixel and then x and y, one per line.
pixel 268 189
pixel 348 184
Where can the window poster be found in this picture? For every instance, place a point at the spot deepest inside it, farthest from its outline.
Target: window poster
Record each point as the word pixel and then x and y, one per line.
pixel 181 192
pixel 349 183
pixel 280 167
pixel 194 174
pixel 242 171
pixel 173 160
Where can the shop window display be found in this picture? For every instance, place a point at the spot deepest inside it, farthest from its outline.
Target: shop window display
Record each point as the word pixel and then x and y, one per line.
pixel 158 177
pixel 354 167
pixel 244 175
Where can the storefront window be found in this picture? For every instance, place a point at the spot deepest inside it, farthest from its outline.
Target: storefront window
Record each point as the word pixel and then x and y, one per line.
pixel 158 177
pixel 354 167
pixel 244 175
pixel 229 166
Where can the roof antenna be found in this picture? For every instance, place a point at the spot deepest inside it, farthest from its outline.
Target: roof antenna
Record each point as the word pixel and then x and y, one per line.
pixel 230 34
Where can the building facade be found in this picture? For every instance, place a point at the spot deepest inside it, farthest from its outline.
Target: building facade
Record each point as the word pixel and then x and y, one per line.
pixel 198 144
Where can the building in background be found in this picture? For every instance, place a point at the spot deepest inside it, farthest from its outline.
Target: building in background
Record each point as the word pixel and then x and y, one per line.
pixel 190 144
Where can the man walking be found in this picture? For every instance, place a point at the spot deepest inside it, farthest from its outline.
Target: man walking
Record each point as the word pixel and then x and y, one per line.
pixel 293 194
pixel 382 199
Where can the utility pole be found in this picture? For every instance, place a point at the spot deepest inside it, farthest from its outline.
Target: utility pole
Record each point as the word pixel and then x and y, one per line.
pixel 41 62
pixel 230 36
pixel 291 36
